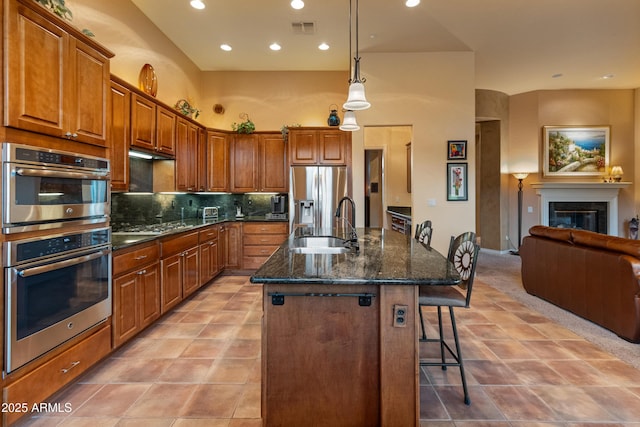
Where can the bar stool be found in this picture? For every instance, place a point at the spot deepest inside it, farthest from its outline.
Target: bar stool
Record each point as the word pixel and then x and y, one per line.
pixel 463 254
pixel 424 232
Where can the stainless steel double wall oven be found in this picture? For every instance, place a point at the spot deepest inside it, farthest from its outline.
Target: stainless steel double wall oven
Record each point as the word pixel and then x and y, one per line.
pixel 58 280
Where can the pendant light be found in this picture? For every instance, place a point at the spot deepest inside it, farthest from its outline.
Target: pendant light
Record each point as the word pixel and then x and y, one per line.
pixel 356 99
pixel 349 122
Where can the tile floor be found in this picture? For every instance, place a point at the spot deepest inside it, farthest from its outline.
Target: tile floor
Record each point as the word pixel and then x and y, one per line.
pixel 200 366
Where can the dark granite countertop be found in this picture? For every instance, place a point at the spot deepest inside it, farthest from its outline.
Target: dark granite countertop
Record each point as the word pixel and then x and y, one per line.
pixel 121 240
pixel 385 257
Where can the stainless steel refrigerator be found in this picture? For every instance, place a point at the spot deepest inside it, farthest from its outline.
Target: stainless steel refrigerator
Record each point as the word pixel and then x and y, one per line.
pixel 314 196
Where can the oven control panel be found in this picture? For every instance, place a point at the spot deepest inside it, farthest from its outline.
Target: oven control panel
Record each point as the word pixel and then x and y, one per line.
pixel 31 249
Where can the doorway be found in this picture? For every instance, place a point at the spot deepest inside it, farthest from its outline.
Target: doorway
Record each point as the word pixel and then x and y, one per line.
pixel 374 179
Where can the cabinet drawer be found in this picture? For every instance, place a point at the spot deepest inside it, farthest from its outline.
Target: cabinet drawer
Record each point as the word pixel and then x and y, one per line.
pixel 208 234
pixel 253 262
pixel 173 245
pixel 130 260
pixel 265 251
pixel 266 228
pixel 263 239
pixel 42 382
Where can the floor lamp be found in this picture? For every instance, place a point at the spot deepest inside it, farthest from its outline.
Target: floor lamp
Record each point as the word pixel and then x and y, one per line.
pixel 519 176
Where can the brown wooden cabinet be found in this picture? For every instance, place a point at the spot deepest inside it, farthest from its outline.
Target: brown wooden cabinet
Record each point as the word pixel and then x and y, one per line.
pixel 243 160
pixel 217 175
pixel 231 243
pixel 165 131
pixel 260 240
pixel 153 126
pixel 36 386
pixel 136 291
pixel 143 123
pixel 258 162
pixel 120 136
pixel 180 268
pixel 274 168
pixel 187 156
pixel 65 92
pixel 319 146
pixel 209 248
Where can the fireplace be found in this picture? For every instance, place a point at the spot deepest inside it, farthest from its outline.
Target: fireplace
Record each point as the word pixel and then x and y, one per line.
pixel 590 216
pixel 587 205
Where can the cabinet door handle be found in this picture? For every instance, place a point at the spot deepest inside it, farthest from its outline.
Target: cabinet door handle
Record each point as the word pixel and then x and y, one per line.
pixel 138 258
pixel 73 365
pixel 141 272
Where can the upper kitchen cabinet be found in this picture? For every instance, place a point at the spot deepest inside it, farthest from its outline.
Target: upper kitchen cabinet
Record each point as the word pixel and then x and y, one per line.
pixel 258 162
pixel 65 92
pixel 153 126
pixel 120 136
pixel 187 156
pixel 165 131
pixel 217 149
pixel 319 146
pixel 274 174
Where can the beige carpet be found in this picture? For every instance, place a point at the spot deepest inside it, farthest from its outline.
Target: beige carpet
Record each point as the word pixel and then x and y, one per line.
pixel 502 272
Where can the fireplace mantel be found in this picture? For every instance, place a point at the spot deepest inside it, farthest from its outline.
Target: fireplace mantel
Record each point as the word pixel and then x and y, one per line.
pixel 581 192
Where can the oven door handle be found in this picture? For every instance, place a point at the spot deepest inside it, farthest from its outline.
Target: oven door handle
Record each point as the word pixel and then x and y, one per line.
pixel 62 264
pixel 61 174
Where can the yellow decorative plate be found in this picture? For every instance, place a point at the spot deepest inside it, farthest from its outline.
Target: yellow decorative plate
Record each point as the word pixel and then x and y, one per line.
pixel 147 81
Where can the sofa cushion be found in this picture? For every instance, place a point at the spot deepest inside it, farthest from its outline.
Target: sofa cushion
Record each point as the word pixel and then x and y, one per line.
pixel 554 233
pixel 603 241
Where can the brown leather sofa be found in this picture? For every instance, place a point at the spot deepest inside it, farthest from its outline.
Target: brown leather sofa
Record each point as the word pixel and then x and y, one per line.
pixel 593 275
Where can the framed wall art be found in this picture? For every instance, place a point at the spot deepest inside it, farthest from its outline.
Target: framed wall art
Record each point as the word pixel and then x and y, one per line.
pixel 456 150
pixel 575 150
pixel 457 187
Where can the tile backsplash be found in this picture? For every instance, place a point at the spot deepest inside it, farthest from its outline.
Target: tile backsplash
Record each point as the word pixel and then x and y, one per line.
pixel 146 208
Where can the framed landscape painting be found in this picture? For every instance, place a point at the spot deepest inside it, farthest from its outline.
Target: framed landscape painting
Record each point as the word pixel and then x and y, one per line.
pixel 576 150
pixel 457 181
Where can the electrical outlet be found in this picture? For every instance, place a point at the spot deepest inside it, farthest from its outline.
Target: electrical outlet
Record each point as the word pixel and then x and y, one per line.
pixel 400 315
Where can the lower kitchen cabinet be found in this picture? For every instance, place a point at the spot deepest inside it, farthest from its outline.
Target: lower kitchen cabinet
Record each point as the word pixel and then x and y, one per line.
pixel 260 240
pixel 209 254
pixel 136 291
pixel 232 236
pixel 180 268
pixel 36 386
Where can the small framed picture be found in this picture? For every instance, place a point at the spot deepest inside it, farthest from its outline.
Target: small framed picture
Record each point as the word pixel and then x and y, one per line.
pixel 457 181
pixel 456 150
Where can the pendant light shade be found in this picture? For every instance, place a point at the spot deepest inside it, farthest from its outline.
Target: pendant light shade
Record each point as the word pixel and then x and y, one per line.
pixel 349 122
pixel 356 99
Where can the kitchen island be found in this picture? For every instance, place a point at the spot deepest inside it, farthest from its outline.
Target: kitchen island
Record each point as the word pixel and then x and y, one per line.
pixel 339 331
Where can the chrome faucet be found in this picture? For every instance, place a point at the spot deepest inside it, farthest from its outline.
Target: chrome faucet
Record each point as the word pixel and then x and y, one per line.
pixel 353 239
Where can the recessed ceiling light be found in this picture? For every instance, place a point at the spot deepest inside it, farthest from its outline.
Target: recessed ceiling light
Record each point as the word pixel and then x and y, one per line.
pixel 197 4
pixel 323 46
pixel 275 46
pixel 412 3
pixel 297 4
pixel 225 47
pixel 608 76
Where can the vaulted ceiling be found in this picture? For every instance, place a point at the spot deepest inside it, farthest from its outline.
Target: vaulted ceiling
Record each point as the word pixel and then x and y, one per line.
pixel 519 45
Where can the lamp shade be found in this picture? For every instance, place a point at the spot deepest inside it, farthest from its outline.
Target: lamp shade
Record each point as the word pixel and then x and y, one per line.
pixel 349 122
pixel 356 99
pixel 520 175
pixel 616 172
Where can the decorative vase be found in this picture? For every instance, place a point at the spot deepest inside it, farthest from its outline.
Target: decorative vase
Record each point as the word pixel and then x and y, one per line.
pixel 333 119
